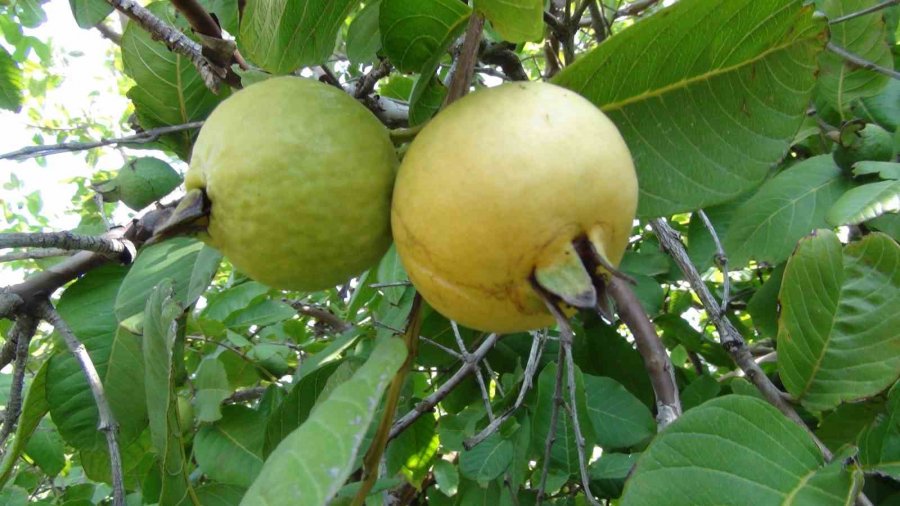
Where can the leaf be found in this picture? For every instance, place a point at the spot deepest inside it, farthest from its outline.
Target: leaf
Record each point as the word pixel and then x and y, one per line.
pixel 363 37
pixel 837 335
pixel 620 419
pixel 87 307
pixel 283 35
pixel 515 20
pixel 843 425
pixel 217 494
pixel 446 477
pixel 333 433
pixel 879 443
pixel 564 454
pixel 159 339
pixel 296 407
pixel 11 83
pixel 763 305
pixel 608 473
pixel 883 108
pixel 601 351
pixel 413 450
pixel 212 388
pixel 699 391
pixel 841 82
pixel 488 460
pixel 414 31
pixel 230 450
pixel 885 170
pixel 865 202
pixel 34 407
pixel 426 99
pixel 169 90
pixel 735 450
pixel 786 208
pixel 707 94
pixel 88 13
pixel 187 261
pixel 137 459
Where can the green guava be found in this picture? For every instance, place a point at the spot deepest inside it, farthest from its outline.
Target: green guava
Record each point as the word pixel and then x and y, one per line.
pixel 299 176
pixel 872 143
pixel 140 182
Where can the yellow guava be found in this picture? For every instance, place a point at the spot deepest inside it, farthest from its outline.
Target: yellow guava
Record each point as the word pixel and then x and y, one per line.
pixel 500 184
pixel 300 176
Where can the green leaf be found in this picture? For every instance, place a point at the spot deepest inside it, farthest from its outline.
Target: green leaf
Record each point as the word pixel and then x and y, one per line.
pixel 837 336
pixel 883 108
pixel 212 388
pixel 87 307
pixel 413 450
pixel 363 37
pixel 427 97
pixel 608 473
pixel 786 208
pixel 159 339
pixel 296 407
pixel 601 351
pixel 865 202
pixel 283 35
pixel 735 450
pixel 707 94
pixel 90 12
pixel 763 306
pixel 446 477
pixel 333 433
pixel 564 454
pixel 414 31
pixel 515 20
pixel 137 459
pixel 11 83
pixel 843 425
pixel 885 170
pixel 620 419
pixel 230 450
pixel 169 90
pixel 34 407
pixel 191 264
pixel 699 391
pixel 30 13
pixel 879 443
pixel 488 460
pixel 217 494
pixel 841 82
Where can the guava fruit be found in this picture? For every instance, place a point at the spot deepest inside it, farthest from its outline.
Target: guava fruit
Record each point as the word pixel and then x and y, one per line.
pixel 299 178
pixel 871 143
pixel 495 189
pixel 140 182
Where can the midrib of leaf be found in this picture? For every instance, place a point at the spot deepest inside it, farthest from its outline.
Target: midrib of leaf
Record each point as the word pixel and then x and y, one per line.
pixel 684 83
pixel 239 445
pixel 789 499
pixel 293 36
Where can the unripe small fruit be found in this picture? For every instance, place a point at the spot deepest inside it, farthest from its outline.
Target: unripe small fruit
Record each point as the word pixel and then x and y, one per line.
pixel 500 184
pixel 299 175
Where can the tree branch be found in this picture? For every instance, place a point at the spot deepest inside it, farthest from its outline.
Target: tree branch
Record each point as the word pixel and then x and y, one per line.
pixel 20 337
pixel 502 56
pixel 721 258
pixel 119 248
pixel 176 41
pixel 366 84
pixel 108 33
pixel 863 12
pixel 247 394
pixel 139 138
pixel 428 403
pixel 465 63
pixel 321 314
pixel 107 423
pixel 859 61
pixel 554 420
pixel 34 254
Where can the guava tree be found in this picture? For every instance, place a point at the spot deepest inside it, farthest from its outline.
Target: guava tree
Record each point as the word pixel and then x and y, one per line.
pixel 739 345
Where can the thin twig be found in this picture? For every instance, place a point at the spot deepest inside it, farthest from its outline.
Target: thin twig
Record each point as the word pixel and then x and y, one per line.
pixel 108 33
pixel 367 83
pixel 485 395
pixel 20 335
pixel 863 12
pixel 599 23
pixel 428 403
pixel 35 254
pixel 120 249
pixel 635 8
pixel 551 430
pixel 321 314
pixel 721 258
pixel 465 63
pixel 441 347
pixel 859 61
pixel 247 394
pixel 67 147
pixel 390 284
pixel 656 359
pixel 534 357
pixel 107 423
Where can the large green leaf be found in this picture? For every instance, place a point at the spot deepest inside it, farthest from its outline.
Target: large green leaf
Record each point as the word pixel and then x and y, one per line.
pixel 841 82
pixel 333 433
pixel 883 108
pixel 865 202
pixel 169 90
pixel 879 443
pixel 707 93
pixel 296 407
pixel 230 450
pixel 363 37
pixel 620 420
pixel 840 311
pixel 212 388
pixel 488 460
pixel 10 83
pixel 87 307
pixel 284 35
pixel 191 264
pixel 414 31
pixel 90 12
pixel 159 339
pixel 786 208
pixel 735 450
pixel 515 20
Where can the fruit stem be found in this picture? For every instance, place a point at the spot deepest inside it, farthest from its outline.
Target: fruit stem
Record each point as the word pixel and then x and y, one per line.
pixel 404 135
